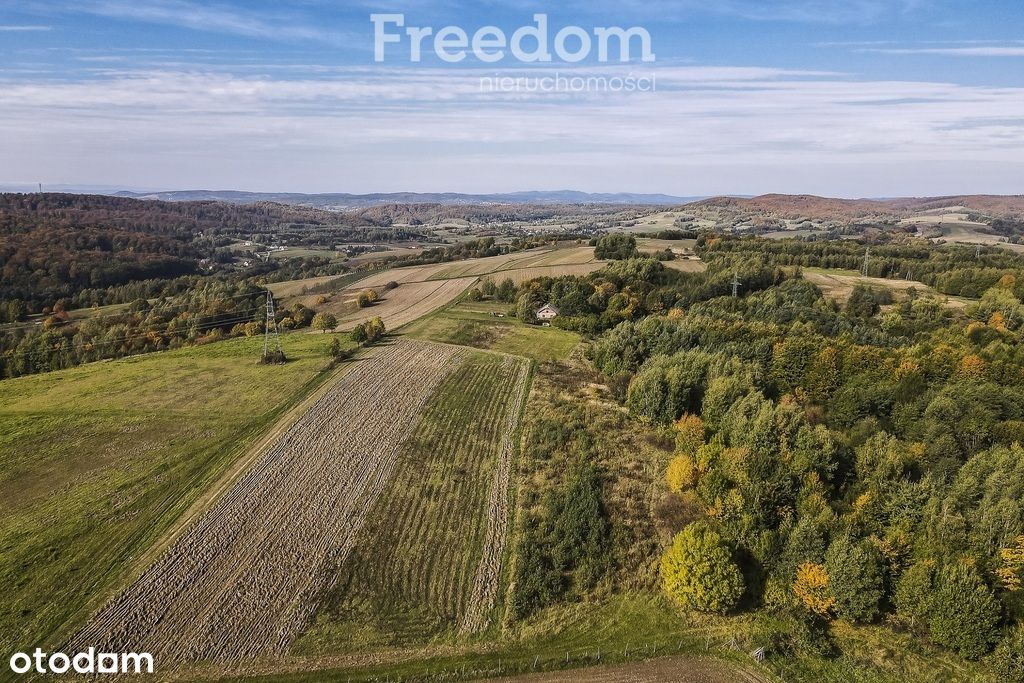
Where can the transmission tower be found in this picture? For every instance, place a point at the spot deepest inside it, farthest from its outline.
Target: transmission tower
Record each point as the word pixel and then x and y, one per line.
pixel 270 328
pixel 867 254
pixel 735 284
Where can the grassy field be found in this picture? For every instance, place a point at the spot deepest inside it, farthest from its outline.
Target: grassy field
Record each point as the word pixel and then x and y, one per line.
pixel 97 462
pixel 476 324
pixel 838 284
pixel 299 288
pixel 546 260
pixel 400 306
pixel 648 245
pixel 412 575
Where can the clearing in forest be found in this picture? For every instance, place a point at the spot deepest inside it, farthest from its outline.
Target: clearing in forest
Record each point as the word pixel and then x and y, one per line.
pixel 428 560
pixel 838 285
pixel 490 325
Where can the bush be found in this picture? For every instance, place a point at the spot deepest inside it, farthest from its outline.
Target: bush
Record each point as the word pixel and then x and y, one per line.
pixel 366 298
pixel 856 579
pixel 274 358
pixel 689 434
pixel 617 246
pixel 681 474
pixel 324 322
pixel 1008 659
pixel 813 590
pixel 369 332
pixel 964 612
pixel 698 572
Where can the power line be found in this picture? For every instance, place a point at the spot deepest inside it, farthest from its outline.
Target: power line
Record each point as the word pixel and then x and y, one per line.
pixel 209 325
pixel 165 306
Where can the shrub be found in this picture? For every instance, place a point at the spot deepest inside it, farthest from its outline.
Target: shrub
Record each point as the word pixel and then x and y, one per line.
pixel 324 322
pixel 698 572
pixel 812 588
pixel 1008 659
pixel 964 612
pixel 689 434
pixel 367 297
pixel 681 473
pixel 856 579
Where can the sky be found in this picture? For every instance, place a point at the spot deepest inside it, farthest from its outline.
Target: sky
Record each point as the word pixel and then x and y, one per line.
pixel 846 98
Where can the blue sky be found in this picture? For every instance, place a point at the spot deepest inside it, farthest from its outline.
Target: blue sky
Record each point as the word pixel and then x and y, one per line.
pixel 841 98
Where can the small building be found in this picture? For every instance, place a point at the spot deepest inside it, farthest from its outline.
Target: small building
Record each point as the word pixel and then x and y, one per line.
pixel 547 312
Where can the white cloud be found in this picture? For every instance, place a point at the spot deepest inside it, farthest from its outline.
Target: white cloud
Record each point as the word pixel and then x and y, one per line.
pixel 430 129
pixel 26 28
pixel 798 11
pixel 211 17
pixel 980 51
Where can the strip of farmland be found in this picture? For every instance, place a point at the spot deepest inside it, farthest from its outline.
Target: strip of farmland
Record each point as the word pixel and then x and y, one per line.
pixel 428 560
pixel 242 581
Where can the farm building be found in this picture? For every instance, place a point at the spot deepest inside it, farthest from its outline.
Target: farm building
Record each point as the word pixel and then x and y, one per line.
pixel 547 312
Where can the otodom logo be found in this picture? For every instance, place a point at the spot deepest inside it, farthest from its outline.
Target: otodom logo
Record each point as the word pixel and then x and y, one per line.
pixel 88 662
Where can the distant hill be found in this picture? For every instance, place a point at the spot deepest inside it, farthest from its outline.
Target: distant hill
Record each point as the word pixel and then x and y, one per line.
pixel 342 200
pixel 793 206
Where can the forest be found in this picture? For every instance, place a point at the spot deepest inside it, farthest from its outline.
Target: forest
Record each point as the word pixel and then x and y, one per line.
pixel 85 249
pixel 858 463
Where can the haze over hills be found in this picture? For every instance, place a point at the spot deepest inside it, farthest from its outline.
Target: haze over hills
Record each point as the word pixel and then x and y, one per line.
pixel 810 206
pixel 343 200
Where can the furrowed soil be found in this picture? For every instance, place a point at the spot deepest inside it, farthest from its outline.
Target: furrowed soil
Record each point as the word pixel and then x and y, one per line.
pixel 428 561
pixel 241 582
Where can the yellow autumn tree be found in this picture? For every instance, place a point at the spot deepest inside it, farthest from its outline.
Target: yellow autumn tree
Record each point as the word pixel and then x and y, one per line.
pixel 698 572
pixel 811 588
pixel 689 434
pixel 997 321
pixel 681 474
pixel 1011 574
pixel 970 367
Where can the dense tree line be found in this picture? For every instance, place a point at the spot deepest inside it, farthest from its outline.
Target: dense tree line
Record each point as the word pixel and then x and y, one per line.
pixel 850 464
pixel 956 270
pixel 858 461
pixel 83 248
pixel 631 289
pixel 212 311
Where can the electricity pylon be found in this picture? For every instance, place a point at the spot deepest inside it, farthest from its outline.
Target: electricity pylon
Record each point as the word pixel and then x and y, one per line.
pixel 271 324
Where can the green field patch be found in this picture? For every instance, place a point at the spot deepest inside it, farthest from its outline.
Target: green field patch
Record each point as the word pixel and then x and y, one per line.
pixel 478 324
pixel 97 462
